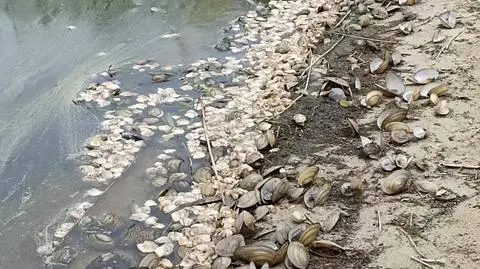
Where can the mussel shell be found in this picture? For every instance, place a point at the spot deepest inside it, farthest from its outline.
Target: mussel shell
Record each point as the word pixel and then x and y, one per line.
pixel 281 234
pixel 437 88
pixel 309 235
pixel 338 81
pixel 273 190
pixel 255 160
pixel 396 58
pixel 245 223
pixel 203 174
pixel 299 119
pixel 271 138
pixel 391 115
pixel 425 75
pixel 295 232
pixel 315 195
pixel 394 84
pixel 378 65
pixel 396 182
pixel 426 186
pixel 419 132
pixel 402 161
pixel 396 125
pixel 326 248
pixel 262 142
pixel 307 174
pixel 337 94
pixel 250 181
pixel 441 108
pixel 150 261
pixel 298 255
pixel 221 263
pixel 388 164
pixel 448 19
pixel 259 255
pixel 247 200
pixel 227 246
pixel 294 192
pixel 400 136
pixel 330 221
pixel 373 98
pixel 100 241
pixel 261 212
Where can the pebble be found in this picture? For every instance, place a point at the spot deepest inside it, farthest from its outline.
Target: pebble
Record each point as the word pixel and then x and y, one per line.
pixel 164 250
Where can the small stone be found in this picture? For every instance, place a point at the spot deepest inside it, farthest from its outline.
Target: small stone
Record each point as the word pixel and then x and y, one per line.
pixel 298 216
pixel 164 250
pixel 305 11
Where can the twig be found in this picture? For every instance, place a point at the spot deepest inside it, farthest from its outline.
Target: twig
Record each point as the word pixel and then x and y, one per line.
pixel 439 261
pixel 447 45
pixel 412 243
pixel 379 221
pixel 466 166
pixel 422 262
pixel 366 38
pixel 308 78
pixel 322 56
pixel 214 167
pixel 344 17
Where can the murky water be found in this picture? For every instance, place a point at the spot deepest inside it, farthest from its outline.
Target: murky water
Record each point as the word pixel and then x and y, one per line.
pixel 44 63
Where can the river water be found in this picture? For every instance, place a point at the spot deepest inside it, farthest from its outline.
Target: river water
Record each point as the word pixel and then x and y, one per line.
pixel 49 49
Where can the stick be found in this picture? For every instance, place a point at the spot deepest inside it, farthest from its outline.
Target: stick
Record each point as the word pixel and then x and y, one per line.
pixel 214 167
pixel 412 243
pixel 322 56
pixel 439 261
pixel 466 166
pixel 365 38
pixel 447 45
pixel 344 17
pixel 379 221
pixel 422 262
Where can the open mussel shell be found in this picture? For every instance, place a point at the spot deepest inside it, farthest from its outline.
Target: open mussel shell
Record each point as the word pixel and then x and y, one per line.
pixel 391 115
pixel 307 175
pixel 396 58
pixel 448 19
pixel 437 88
pixel 337 94
pixel 247 200
pixel 294 192
pixel 282 231
pixel 262 142
pixel 295 232
pixel 402 161
pixel 405 28
pixel 411 95
pixel 438 36
pixel 441 108
pixel 221 263
pixel 371 148
pixel 434 98
pixel 271 138
pixel 395 84
pixel 273 190
pixel 378 65
pixel 397 125
pixel 396 182
pixel 150 261
pixel 203 174
pixel 249 182
pixel 380 13
pixel 245 223
pixel 400 136
pixel 330 221
pixel 255 160
pixel 425 75
pixel 298 255
pixel 316 195
pixel 326 248
pixel 261 212
pixel 100 241
pixel 419 132
pixel 373 98
pixel 309 235
pixel 354 126
pixel 388 164
pixel 227 246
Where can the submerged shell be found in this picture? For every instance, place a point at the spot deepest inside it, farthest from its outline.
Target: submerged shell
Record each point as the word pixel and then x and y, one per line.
pixel 326 248
pixel 425 75
pixel 437 88
pixel 316 196
pixel 395 182
pixel 395 84
pixel 149 261
pixel 441 108
pixel 448 19
pixel 373 98
pixel 391 115
pixel 309 235
pixel 227 246
pixel 298 255
pixel 100 241
pixel 307 175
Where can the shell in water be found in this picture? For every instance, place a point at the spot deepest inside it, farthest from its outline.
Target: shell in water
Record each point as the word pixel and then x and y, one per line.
pixel 298 255
pixel 149 261
pixel 425 75
pixel 100 241
pixel 395 182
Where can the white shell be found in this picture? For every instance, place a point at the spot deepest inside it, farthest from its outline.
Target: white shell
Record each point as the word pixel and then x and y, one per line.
pixel 164 250
pixel 147 247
